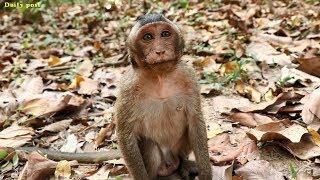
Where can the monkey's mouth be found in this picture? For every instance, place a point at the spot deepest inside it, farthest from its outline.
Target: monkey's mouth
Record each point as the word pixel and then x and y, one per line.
pixel 160 61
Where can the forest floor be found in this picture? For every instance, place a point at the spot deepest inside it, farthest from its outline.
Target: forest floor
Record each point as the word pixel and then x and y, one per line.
pixel 258 64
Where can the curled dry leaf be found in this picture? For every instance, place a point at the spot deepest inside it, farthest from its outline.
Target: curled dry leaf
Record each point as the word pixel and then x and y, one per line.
pixel 259 169
pixel 88 86
pixel 248 90
pixel 37 167
pixel 305 149
pixel 311 108
pixel 71 144
pixel 38 107
pixel 104 133
pixel 250 119
pixel 310 65
pixel 57 126
pixel 222 150
pixel 85 68
pixel 278 130
pixel 102 173
pixel 262 51
pixel 15 136
pixel 63 169
pixel 222 172
pixel 30 88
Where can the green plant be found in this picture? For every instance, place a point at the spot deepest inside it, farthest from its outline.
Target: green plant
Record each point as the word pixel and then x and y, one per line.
pixel 293 171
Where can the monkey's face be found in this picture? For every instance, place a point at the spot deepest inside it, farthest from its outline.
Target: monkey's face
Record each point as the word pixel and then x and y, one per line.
pixel 158 42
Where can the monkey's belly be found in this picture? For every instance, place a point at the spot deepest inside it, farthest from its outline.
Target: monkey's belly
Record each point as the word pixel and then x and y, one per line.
pixel 163 121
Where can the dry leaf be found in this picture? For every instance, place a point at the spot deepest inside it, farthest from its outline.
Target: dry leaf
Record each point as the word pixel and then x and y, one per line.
pixel 278 130
pixel 259 169
pixel 15 136
pixel 310 65
pixel 222 172
pixel 85 68
pixel 37 167
pixel 222 150
pixel 40 107
pixel 88 86
pixel 250 119
pixel 63 169
pixel 262 51
pixel 315 136
pixel 53 60
pixel 305 149
pixel 57 126
pixel 70 144
pixel 311 108
pixel 103 173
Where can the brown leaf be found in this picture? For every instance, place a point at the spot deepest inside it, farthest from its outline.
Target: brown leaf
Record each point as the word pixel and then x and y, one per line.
pixel 15 136
pixel 262 51
pixel 104 133
pixel 278 130
pixel 311 108
pixel 310 65
pixel 222 172
pixel 39 107
pixel 53 60
pixel 221 149
pixel 305 149
pixel 57 126
pixel 259 169
pixel 88 86
pixel 63 169
pixel 250 119
pixel 37 167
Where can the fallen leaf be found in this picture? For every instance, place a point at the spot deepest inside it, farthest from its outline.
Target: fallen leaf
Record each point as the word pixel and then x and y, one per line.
pixel 311 108
pixel 222 150
pixel 315 136
pixel 278 130
pixel 222 172
pixel 103 173
pixel 70 144
pixel 37 167
pixel 250 119
pixel 57 126
pixel 63 169
pixel 15 136
pixel 262 51
pixel 305 149
pixel 40 107
pixel 310 65
pixel 259 169
pixel 85 68
pixel 88 86
pixel 53 60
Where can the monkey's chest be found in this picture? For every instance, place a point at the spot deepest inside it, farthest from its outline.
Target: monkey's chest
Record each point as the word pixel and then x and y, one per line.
pixel 163 121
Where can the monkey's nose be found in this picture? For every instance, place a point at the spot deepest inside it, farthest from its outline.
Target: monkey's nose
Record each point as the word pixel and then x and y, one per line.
pixel 160 52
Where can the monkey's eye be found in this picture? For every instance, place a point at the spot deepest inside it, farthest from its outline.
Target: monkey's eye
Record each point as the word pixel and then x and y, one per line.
pixel 147 37
pixel 165 34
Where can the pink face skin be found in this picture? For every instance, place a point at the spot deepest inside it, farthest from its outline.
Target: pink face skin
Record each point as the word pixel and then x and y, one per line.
pixel 158 43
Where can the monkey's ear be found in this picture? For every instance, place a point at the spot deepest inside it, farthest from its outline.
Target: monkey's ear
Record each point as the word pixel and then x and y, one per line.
pixel 131 60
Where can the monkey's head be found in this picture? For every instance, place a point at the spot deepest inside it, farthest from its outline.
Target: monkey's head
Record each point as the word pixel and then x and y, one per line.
pixel 155 40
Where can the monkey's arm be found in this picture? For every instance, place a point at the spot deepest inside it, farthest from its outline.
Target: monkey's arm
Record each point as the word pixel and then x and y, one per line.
pixel 129 147
pixel 198 141
pixel 86 157
pixel 127 140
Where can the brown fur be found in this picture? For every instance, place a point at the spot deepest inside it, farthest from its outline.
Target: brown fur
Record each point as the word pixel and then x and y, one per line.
pixel 158 110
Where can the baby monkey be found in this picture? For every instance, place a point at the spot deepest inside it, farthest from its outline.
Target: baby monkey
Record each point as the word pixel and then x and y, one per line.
pixel 158 110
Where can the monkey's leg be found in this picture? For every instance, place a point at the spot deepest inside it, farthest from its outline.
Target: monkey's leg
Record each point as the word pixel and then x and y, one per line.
pixel 188 169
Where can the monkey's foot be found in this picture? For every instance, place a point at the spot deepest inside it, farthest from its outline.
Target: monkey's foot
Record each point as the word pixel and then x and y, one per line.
pixel 188 170
pixel 167 168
